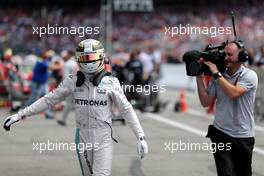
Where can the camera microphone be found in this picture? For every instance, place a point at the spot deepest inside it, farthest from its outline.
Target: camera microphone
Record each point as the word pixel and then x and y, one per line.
pixel 233 23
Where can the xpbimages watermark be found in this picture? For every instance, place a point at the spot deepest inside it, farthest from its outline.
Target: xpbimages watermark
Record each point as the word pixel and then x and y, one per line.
pixel 181 145
pixel 145 89
pixel 81 31
pixel 141 89
pixel 63 146
pixel 213 31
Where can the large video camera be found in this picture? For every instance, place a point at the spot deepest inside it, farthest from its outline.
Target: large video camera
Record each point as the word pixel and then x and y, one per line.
pixel 212 53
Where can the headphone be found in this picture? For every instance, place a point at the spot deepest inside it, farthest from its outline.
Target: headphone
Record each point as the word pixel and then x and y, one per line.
pixel 243 54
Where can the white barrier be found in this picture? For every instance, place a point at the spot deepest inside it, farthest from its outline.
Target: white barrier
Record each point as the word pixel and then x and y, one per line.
pixel 174 76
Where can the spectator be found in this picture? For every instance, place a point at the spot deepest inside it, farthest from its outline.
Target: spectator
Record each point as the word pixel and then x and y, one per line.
pixel 39 84
pixel 260 57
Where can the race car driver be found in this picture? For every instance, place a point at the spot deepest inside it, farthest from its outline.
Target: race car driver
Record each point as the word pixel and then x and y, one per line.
pixel 94 92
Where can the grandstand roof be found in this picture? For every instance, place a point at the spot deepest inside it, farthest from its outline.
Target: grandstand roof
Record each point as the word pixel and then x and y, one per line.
pixel 157 2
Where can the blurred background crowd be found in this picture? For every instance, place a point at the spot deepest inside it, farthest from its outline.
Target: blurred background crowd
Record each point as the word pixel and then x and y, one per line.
pixel 134 34
pixel 131 28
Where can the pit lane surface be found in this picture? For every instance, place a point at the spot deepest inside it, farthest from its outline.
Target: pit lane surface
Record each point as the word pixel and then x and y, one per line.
pixel 163 130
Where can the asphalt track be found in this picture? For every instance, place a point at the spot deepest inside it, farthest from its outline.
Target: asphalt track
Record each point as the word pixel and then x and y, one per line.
pixel 165 132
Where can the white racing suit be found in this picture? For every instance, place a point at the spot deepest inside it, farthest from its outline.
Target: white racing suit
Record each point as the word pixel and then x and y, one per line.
pixel 93 111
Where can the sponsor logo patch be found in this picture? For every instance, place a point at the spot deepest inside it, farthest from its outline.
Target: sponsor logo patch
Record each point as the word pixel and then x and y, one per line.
pixel 78 90
pixel 101 91
pixel 91 102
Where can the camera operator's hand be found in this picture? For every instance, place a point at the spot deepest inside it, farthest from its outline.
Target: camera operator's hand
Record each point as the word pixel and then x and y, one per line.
pixel 211 66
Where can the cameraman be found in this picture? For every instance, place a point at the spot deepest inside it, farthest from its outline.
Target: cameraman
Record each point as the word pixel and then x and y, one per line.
pixel 234 122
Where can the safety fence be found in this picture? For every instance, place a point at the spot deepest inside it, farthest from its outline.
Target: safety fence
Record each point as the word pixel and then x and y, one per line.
pixel 259 101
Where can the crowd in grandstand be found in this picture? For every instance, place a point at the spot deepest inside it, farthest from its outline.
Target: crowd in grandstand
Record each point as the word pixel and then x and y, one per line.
pixel 129 28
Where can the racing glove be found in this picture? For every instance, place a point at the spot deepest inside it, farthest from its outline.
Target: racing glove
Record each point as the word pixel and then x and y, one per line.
pixel 142 147
pixel 12 119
